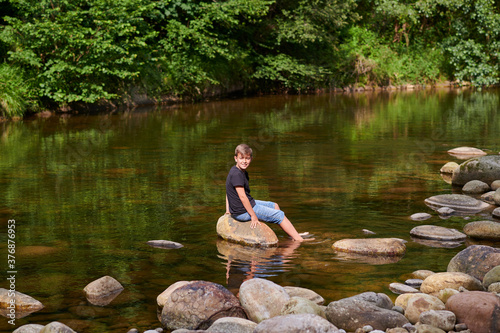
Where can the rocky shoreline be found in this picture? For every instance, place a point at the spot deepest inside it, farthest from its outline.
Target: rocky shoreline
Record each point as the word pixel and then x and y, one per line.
pixel 462 299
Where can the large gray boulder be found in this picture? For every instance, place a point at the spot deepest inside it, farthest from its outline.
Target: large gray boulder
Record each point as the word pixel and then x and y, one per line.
pixel 356 312
pixel 198 304
pixel 240 232
pixel 475 260
pixel 484 168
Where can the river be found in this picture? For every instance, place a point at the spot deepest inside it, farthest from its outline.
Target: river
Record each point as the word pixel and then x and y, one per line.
pixel 88 191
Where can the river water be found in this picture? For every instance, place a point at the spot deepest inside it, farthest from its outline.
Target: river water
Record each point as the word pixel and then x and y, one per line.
pixel 88 191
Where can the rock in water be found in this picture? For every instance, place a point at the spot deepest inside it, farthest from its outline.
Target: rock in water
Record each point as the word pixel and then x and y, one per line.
pixel 102 291
pixel 485 168
pixel 240 232
pixel 437 233
pixel 165 244
pixel 466 152
pixel 198 304
pixel 449 167
pixel 24 304
pixel 458 202
pixel 475 260
pixel 372 246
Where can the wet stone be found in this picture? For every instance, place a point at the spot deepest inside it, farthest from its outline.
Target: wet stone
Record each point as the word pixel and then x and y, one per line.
pixel 483 230
pixel 437 233
pixel 415 283
pixel 420 216
pixel 459 202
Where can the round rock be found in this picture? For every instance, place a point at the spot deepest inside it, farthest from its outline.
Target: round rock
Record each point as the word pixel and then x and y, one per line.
pixel 437 233
pixel 296 323
pixel 305 293
pixel 496 213
pixel 420 216
pixel 488 197
pixel 484 168
pixel 420 303
pixel 495 185
pixel 198 304
pixel 475 187
pixel 459 202
pixel 400 288
pixel 240 232
pixel 483 230
pixel 496 197
pixel 24 303
pixel 466 152
pixel 103 290
pixel 233 325
pixel 441 319
pixel 492 276
pixel 372 246
pixel 415 283
pixel 475 260
pixel 262 299
pixel 298 305
pixel 449 167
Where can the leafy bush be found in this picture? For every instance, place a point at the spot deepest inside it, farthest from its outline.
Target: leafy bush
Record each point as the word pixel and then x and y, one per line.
pixel 13 91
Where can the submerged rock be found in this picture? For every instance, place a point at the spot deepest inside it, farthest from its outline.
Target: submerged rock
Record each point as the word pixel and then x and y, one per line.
pixel 459 202
pixel 240 232
pixel 478 309
pixel 437 233
pixel 372 246
pixel 485 168
pixel 483 230
pixel 198 304
pixel 475 260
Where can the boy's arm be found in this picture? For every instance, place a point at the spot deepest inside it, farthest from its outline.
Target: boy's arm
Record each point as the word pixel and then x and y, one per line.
pixel 227 205
pixel 248 206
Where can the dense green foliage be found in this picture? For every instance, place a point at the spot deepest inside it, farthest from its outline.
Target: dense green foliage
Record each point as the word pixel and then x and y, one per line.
pixel 90 51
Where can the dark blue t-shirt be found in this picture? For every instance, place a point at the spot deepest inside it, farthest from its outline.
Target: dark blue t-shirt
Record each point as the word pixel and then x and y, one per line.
pixel 236 177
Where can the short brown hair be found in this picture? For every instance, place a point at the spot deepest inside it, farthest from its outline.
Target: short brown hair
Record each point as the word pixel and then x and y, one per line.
pixel 243 149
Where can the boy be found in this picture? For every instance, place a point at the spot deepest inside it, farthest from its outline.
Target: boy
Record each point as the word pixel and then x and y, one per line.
pixel 241 205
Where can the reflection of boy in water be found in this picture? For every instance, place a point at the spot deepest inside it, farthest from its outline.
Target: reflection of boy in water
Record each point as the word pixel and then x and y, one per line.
pixel 241 205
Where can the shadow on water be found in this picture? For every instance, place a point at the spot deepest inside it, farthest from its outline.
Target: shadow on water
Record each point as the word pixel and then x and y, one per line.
pixel 89 191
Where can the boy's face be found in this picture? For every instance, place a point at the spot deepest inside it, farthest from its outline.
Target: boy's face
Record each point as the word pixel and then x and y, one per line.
pixel 242 162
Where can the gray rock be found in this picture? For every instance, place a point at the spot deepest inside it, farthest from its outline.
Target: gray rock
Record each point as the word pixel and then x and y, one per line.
pixel 240 232
pixel 165 244
pixel 492 276
pixel 298 305
pixel 442 319
pixel 199 304
pixel 466 152
pixel 475 187
pixel 379 299
pixel 445 211
pixel 485 168
pixel 420 216
pixel 353 313
pixel 496 197
pixel 494 287
pixel 103 290
pixel 29 328
pixel 297 323
pixel 424 328
pixel 415 283
pixel 483 230
pixel 306 293
pixel 371 246
pixel 56 327
pixel 437 233
pixel 262 299
pixel 496 213
pixel 458 202
pixel 133 330
pixel 495 185
pixel 400 288
pixel 24 305
pixel 475 260
pixel 233 325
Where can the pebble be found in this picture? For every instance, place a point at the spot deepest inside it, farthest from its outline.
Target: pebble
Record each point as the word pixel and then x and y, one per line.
pixel 415 283
pixel 445 211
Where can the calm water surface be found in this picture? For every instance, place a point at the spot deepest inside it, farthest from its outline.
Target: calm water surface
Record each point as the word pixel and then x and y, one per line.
pixel 88 191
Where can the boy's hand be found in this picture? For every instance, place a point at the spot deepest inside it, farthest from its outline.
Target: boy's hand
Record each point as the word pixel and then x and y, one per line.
pixel 255 222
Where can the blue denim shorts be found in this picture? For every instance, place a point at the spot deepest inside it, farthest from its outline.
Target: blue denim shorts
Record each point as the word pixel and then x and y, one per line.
pixel 265 211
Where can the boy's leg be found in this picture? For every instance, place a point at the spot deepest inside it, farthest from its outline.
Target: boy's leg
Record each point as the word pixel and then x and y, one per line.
pixel 273 215
pixel 288 227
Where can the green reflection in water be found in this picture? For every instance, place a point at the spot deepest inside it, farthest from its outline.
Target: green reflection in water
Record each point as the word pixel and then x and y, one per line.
pixel 88 192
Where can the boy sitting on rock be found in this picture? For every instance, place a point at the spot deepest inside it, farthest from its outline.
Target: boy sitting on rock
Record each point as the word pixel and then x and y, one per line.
pixel 241 205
